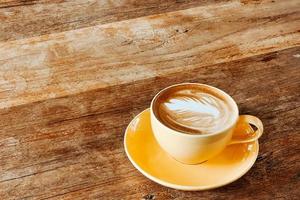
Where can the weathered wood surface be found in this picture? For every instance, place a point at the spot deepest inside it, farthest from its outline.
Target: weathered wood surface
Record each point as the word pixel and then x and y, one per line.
pixel 72 147
pixel 66 98
pixel 21 19
pixel 56 65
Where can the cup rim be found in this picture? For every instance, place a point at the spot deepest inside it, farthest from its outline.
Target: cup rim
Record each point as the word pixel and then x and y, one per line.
pixel 226 128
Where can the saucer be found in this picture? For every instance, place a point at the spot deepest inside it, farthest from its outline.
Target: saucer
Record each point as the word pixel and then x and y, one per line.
pixel 147 156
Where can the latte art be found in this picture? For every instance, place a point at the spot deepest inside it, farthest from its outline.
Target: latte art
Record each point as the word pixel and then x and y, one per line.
pixel 193 111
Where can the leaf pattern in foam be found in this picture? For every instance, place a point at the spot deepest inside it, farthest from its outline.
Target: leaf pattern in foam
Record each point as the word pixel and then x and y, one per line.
pixel 196 112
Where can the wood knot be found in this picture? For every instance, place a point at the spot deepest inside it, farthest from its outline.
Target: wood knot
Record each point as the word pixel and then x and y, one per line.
pixel 182 31
pixel 149 197
pixel 269 58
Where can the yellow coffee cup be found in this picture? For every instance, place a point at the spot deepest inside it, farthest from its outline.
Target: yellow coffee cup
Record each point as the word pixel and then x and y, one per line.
pixel 196 148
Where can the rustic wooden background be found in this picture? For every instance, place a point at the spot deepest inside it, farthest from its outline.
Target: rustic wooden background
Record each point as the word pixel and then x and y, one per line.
pixel 73 74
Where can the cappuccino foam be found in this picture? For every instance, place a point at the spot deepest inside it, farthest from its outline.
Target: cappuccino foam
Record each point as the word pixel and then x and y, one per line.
pixel 193 109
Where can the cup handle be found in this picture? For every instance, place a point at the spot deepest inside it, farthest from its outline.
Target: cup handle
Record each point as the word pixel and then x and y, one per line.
pixel 247 134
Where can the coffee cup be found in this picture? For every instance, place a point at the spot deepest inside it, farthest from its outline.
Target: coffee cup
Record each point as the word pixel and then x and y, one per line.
pixel 194 122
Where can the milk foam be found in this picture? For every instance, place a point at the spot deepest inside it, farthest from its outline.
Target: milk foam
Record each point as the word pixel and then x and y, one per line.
pixel 194 111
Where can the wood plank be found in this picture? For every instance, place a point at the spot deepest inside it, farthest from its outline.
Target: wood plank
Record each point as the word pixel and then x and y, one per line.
pixel 22 19
pixel 57 65
pixel 72 147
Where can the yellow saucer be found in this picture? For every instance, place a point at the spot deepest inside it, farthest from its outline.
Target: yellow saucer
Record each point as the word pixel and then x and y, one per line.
pixel 146 155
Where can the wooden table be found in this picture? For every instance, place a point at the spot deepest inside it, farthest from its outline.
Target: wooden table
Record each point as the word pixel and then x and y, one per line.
pixel 73 74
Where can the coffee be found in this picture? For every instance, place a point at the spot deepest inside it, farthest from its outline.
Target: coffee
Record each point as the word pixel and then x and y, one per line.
pixel 193 109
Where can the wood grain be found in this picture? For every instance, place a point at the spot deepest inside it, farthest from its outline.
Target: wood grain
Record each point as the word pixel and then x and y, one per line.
pixel 73 74
pixel 72 147
pixel 22 19
pixel 52 66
